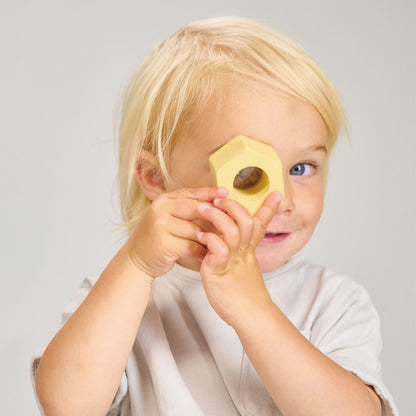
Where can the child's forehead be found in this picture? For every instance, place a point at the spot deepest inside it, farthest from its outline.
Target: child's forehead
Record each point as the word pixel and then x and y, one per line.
pixel 249 98
pixel 259 112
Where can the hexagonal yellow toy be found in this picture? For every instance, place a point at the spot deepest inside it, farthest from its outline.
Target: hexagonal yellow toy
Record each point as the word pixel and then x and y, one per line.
pixel 249 169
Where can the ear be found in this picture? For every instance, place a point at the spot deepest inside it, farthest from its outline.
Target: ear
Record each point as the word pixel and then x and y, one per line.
pixel 149 175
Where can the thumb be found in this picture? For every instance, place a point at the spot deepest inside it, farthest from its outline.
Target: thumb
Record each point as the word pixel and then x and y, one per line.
pixel 264 215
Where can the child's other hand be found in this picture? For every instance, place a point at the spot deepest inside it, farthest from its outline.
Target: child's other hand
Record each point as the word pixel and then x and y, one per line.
pixel 167 231
pixel 230 271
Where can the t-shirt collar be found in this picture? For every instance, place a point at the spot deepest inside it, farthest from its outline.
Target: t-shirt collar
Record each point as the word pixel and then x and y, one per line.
pixel 183 272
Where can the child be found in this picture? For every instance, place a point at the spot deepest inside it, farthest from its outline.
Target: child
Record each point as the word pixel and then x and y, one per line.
pixel 205 310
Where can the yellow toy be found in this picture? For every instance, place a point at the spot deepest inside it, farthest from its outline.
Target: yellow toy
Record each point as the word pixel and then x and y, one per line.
pixel 249 169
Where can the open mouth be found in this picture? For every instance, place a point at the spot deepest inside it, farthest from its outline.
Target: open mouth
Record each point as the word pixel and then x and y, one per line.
pixel 269 233
pixel 275 237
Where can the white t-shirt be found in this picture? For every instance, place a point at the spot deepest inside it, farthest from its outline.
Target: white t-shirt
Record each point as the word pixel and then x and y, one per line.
pixel 187 361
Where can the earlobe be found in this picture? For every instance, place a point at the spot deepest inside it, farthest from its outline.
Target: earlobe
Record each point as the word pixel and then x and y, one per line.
pixel 149 175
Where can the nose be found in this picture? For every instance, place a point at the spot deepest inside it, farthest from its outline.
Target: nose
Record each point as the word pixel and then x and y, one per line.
pixel 287 204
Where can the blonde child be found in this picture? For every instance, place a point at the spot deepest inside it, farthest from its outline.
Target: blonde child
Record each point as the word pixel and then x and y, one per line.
pixel 205 310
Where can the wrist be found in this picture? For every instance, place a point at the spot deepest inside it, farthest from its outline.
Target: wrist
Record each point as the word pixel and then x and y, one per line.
pixel 134 264
pixel 256 319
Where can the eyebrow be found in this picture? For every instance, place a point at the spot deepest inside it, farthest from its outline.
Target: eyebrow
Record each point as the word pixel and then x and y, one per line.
pixel 318 148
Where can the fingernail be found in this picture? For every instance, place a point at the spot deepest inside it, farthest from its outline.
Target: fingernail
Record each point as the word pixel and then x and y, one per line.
pixel 278 196
pixel 202 208
pixel 200 234
pixel 223 191
pixel 216 200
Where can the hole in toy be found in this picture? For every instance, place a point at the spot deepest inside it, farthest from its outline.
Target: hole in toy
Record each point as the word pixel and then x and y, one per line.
pixel 248 178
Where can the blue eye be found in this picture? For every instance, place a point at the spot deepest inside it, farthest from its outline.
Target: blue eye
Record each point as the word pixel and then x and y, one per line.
pixel 302 169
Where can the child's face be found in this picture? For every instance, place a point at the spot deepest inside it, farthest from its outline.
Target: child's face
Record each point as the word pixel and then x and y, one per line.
pixel 298 134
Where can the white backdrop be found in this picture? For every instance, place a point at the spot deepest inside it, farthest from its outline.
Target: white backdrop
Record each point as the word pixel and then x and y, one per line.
pixel 63 66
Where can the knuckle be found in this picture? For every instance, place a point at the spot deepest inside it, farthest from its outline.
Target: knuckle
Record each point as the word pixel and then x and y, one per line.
pixel 248 223
pixel 188 191
pixel 158 218
pixel 191 192
pixel 234 233
pixel 223 251
pixel 262 225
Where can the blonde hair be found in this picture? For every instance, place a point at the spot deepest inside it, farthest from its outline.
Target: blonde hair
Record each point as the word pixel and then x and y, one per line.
pixel 176 80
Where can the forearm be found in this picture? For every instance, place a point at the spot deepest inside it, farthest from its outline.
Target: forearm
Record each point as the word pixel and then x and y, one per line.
pixel 82 366
pixel 301 379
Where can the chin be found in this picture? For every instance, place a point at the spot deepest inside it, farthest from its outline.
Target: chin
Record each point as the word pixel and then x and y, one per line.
pixel 268 264
pixel 271 259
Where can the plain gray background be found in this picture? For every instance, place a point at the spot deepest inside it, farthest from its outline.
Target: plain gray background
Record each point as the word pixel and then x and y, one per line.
pixel 63 66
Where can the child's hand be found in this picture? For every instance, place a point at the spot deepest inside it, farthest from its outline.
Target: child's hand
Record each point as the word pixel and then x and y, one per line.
pixel 166 232
pixel 230 272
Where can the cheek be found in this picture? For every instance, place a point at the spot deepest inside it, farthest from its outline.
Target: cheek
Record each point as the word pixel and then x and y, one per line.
pixel 318 211
pixel 313 204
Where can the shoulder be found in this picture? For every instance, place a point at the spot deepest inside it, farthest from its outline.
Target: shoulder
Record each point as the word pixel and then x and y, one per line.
pixel 332 307
pixel 305 277
pixel 312 295
pixel 335 285
pixel 336 291
pixel 338 304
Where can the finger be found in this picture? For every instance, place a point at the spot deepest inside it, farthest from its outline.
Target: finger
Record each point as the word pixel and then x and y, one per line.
pixel 187 248
pixel 183 229
pixel 264 215
pixel 241 217
pixel 207 194
pixel 216 259
pixel 182 208
pixel 223 223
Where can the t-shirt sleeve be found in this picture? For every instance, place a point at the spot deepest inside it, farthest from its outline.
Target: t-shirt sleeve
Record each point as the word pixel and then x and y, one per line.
pixel 348 332
pixel 70 308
